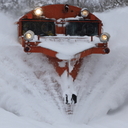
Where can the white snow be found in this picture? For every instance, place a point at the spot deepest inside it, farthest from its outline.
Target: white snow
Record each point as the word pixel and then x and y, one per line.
pixel 66 47
pixel 30 92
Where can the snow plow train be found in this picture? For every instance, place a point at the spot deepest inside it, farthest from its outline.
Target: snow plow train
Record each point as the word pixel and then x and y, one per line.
pixel 65 34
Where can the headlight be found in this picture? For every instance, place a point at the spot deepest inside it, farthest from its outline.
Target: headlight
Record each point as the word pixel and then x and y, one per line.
pixel 84 12
pixel 104 37
pixel 29 35
pixel 38 11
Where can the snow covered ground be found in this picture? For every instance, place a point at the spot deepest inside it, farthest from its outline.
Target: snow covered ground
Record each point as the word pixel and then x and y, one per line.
pixel 30 95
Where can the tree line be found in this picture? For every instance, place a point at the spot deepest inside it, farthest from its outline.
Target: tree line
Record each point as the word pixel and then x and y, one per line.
pixel 19 7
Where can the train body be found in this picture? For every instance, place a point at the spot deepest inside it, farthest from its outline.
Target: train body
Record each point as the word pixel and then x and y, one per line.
pixel 64 33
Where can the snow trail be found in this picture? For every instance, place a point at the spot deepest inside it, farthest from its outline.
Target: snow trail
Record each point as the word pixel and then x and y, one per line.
pixel 30 87
pixel 104 77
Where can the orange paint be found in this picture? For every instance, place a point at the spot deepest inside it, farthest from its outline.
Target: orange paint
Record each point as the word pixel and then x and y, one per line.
pixel 58 14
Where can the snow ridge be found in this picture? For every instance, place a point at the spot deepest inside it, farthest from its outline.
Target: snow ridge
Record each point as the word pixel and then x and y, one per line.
pixel 30 88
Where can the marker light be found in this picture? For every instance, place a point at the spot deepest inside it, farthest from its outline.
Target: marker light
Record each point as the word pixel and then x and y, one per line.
pixel 84 12
pixel 29 35
pixel 38 11
pixel 104 37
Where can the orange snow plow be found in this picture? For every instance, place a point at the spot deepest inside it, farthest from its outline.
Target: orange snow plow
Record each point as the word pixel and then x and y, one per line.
pixel 64 33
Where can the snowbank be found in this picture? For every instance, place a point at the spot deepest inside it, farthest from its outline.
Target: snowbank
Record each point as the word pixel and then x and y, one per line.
pixel 30 95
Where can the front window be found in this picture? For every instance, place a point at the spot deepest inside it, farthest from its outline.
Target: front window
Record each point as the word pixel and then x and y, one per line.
pixel 41 27
pixel 79 28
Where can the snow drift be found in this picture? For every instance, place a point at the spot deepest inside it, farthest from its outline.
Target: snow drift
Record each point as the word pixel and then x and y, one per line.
pixel 30 88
